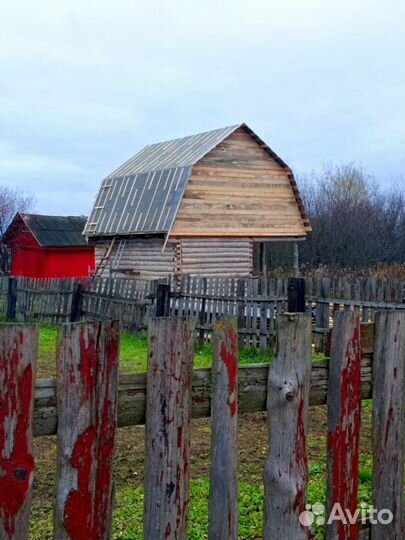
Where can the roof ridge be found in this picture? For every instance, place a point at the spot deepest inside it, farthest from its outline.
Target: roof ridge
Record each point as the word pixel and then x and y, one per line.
pixel 180 152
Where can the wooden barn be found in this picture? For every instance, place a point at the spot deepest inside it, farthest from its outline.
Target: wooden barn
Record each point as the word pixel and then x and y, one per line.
pixel 49 246
pixel 195 205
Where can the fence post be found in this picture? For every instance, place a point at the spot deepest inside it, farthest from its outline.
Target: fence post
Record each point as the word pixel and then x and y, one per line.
pixel 11 299
pixel 296 295
pixel 344 400
pixel 388 422
pixel 223 501
pixel 286 466
pixel 168 424
pixel 77 303
pixel 18 352
pixel 203 307
pixel 87 387
pixel 240 306
pixel 321 312
pixel 162 300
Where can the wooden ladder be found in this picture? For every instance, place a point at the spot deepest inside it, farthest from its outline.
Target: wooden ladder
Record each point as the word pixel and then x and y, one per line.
pixel 118 255
pixel 104 259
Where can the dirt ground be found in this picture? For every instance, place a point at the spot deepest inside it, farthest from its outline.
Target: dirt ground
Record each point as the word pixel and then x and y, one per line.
pixel 253 444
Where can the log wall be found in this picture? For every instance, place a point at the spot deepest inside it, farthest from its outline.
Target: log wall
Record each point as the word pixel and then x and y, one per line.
pixel 151 259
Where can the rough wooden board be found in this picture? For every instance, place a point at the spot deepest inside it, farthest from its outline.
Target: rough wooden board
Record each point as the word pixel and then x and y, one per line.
pixel 223 501
pixel 247 172
pixel 388 422
pixel 252 390
pixel 18 353
pixel 87 403
pixel 344 399
pixel 286 467
pixel 168 418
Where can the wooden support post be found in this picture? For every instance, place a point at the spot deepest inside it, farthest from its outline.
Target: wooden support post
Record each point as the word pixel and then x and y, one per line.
pixel 11 299
pixel 18 352
pixel 296 295
pixel 168 422
pixel 263 259
pixel 388 422
pixel 344 399
pixel 286 467
pixel 322 312
pixel 87 413
pixel 77 303
pixel 162 300
pixel 296 262
pixel 223 502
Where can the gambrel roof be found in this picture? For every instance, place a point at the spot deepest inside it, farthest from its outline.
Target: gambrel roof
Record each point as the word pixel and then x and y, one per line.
pixel 143 195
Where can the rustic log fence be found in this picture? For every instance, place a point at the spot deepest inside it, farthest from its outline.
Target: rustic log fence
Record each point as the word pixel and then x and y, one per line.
pixel 255 302
pixel 367 360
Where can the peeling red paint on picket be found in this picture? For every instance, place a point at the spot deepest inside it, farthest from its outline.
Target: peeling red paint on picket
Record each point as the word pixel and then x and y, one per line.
pixel 18 349
pixel 168 424
pixel 223 499
pixel 89 355
pixel 228 355
pixel 344 402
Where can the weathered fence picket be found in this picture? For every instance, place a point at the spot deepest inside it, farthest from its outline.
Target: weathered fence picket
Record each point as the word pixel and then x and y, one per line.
pixel 168 421
pixel 18 353
pixel 255 301
pixel 388 418
pixel 344 400
pixel 87 403
pixel 286 467
pixel 223 501
pixel 91 403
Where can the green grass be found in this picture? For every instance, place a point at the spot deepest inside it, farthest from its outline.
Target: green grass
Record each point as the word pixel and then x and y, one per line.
pixel 134 350
pixel 128 509
pixel 133 353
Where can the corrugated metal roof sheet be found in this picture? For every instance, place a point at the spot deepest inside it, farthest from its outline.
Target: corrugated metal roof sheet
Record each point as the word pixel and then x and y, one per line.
pixel 56 231
pixel 176 153
pixel 138 203
pixel 143 195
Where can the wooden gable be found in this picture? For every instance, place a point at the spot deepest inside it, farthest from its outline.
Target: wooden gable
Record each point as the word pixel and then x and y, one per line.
pixel 239 189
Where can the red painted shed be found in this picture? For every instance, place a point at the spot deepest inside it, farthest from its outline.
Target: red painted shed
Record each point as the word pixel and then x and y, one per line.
pixel 49 246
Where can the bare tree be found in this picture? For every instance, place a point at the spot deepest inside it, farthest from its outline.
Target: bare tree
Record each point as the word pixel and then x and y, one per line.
pixel 11 202
pixel 354 222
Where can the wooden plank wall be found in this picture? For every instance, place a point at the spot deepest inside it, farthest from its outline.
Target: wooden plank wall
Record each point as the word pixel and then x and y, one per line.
pixel 238 189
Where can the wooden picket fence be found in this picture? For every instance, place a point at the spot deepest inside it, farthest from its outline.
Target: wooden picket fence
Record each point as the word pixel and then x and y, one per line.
pixel 255 302
pixel 88 400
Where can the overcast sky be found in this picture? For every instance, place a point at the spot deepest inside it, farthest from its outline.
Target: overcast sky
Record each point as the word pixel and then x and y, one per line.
pixel 85 84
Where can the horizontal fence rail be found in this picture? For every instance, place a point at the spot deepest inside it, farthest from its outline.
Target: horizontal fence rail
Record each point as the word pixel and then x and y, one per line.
pixel 252 391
